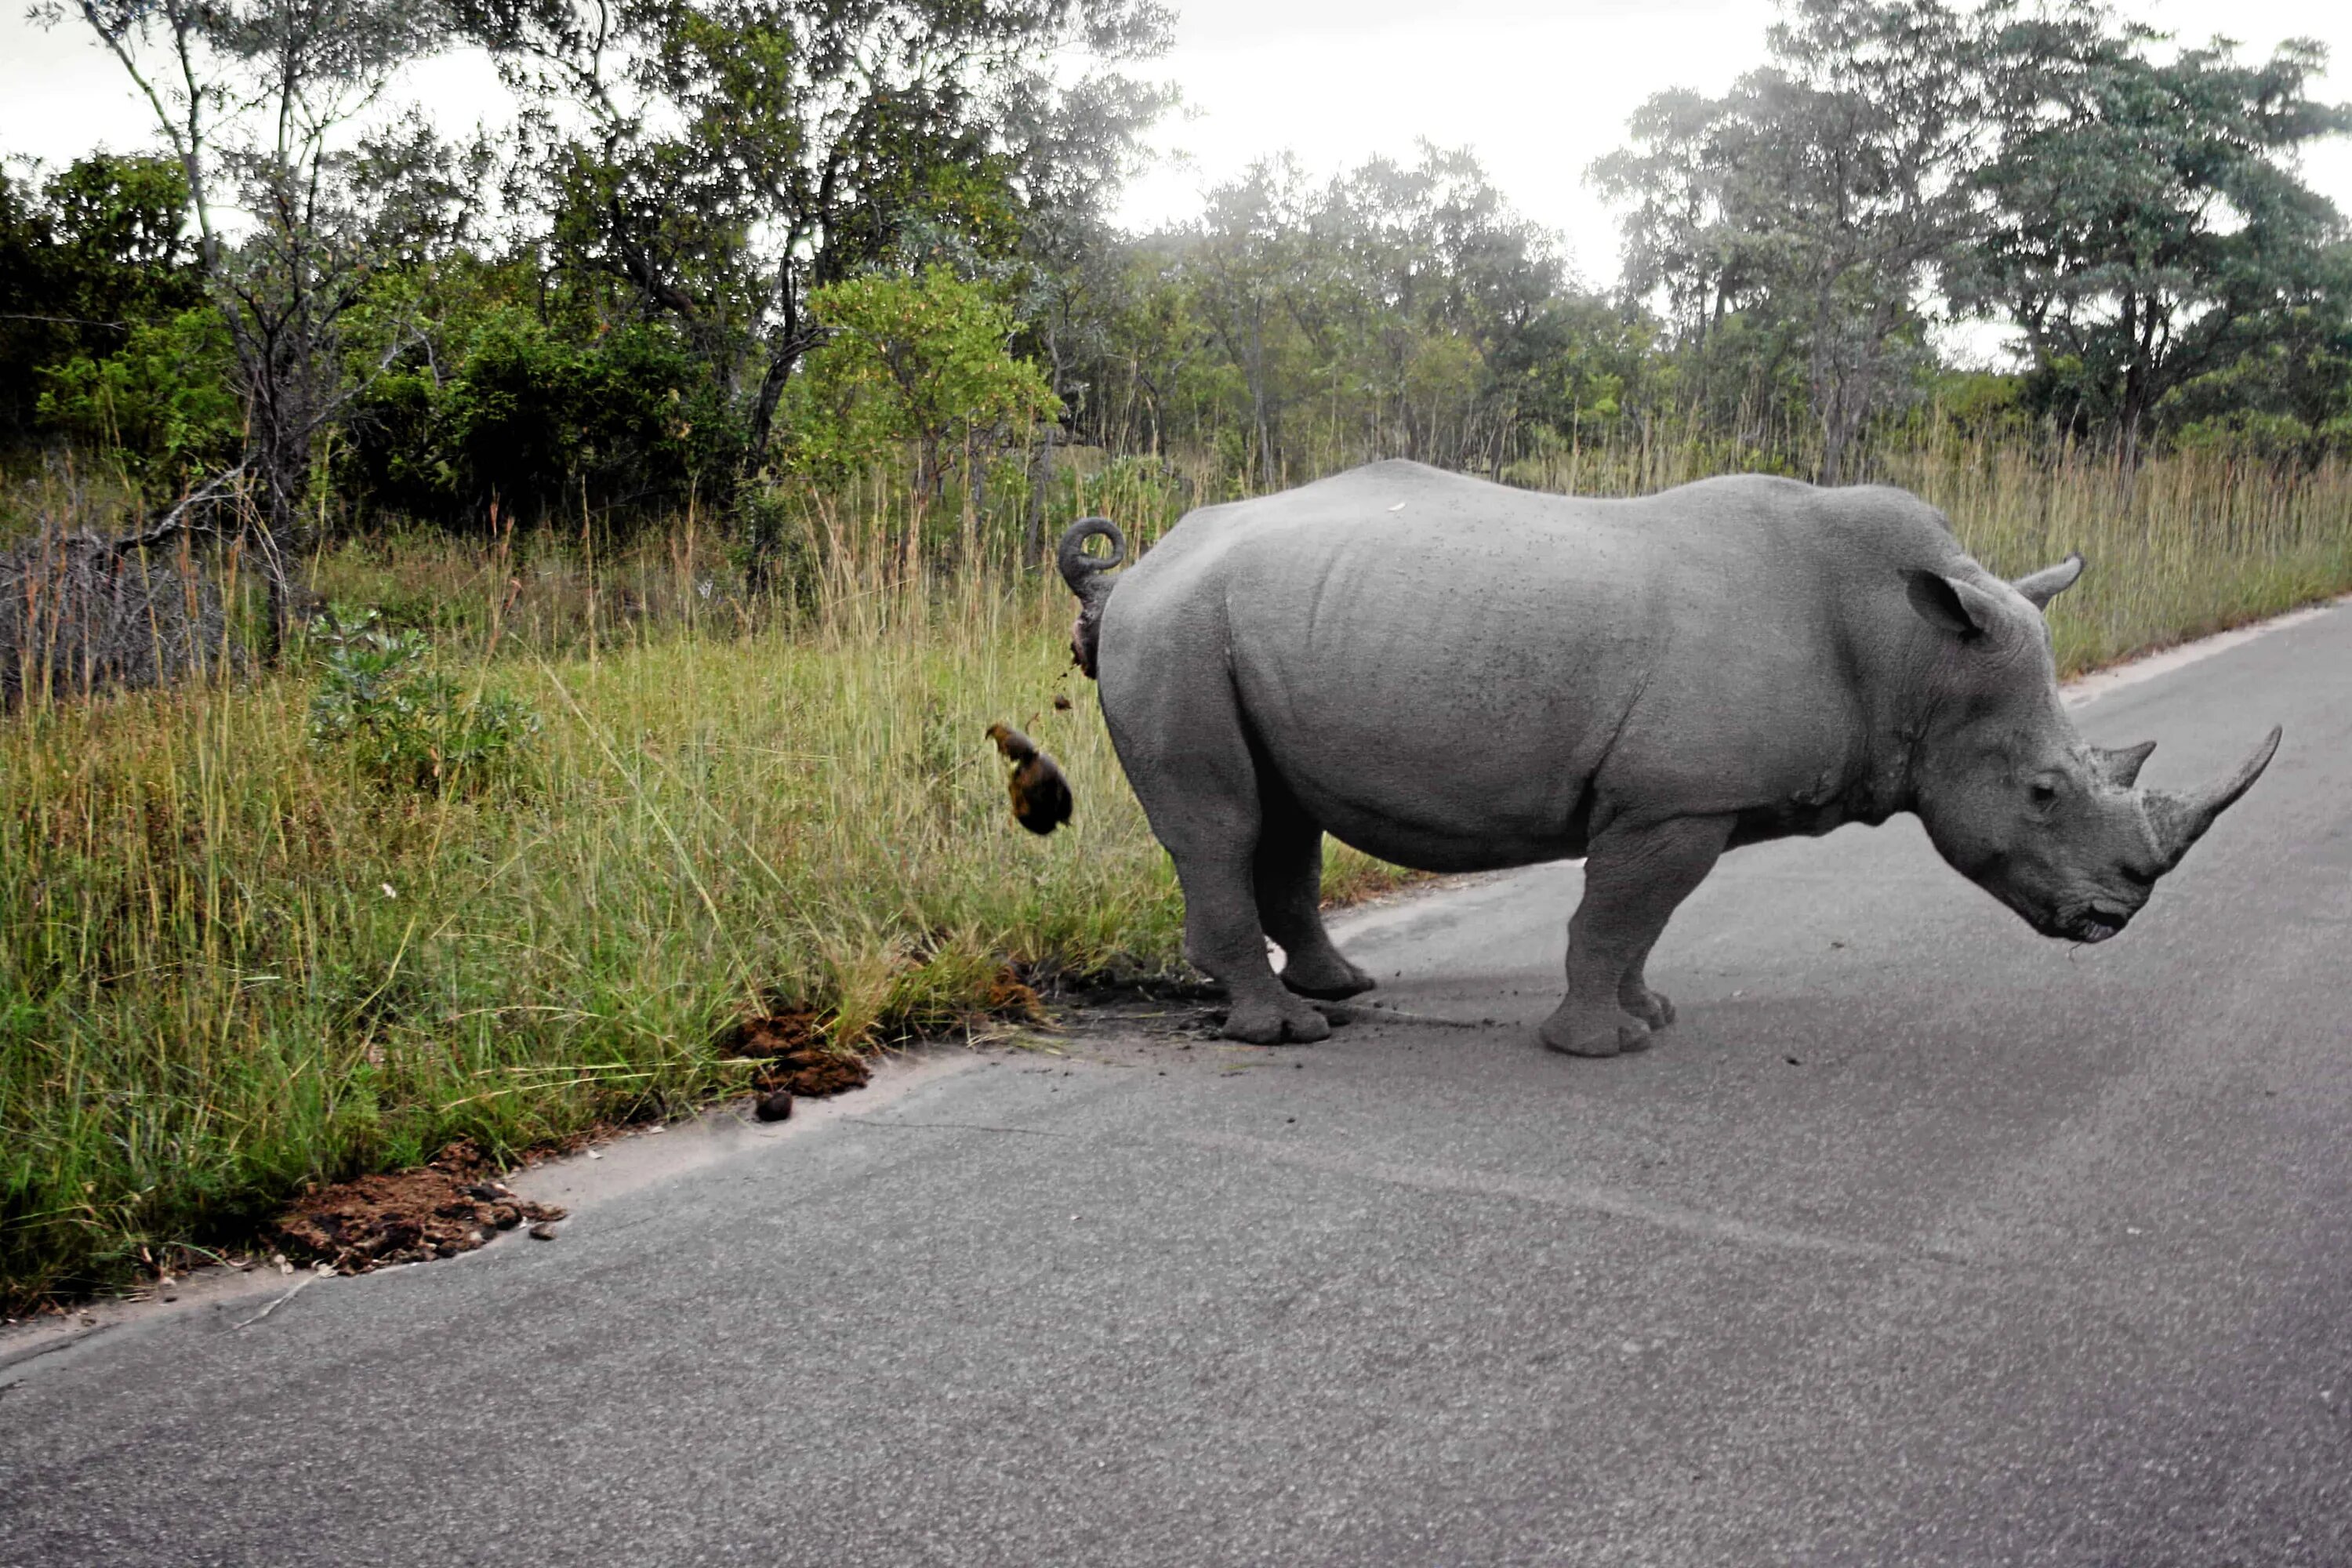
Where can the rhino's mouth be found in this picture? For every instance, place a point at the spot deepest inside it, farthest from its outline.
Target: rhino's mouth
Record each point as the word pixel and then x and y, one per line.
pixel 2096 925
pixel 2088 924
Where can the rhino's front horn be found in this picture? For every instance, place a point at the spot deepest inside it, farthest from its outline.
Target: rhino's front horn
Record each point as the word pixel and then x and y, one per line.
pixel 2180 820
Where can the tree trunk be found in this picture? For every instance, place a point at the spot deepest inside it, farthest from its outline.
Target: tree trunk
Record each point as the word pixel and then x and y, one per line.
pixel 1041 479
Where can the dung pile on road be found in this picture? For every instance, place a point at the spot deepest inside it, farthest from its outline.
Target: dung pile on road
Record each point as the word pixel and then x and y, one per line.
pixel 451 1205
pixel 794 1057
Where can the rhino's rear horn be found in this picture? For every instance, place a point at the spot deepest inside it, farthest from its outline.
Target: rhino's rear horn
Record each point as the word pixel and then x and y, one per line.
pixel 2120 766
pixel 2046 585
pixel 2180 820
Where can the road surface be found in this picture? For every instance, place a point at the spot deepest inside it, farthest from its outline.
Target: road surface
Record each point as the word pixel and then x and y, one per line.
pixel 1919 1241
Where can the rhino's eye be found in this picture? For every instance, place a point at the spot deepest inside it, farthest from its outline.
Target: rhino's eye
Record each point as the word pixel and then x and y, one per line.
pixel 2043 793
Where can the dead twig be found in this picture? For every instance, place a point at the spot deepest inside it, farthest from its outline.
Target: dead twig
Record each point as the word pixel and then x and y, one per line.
pixel 306 1282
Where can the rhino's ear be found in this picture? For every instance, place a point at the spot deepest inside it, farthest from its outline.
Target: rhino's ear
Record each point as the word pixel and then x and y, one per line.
pixel 2050 582
pixel 1952 604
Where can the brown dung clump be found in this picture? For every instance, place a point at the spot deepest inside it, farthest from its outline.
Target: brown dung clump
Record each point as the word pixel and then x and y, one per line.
pixel 1040 791
pixel 795 1058
pixel 453 1204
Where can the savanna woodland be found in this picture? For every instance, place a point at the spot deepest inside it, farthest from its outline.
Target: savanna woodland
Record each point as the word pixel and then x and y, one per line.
pixel 483 613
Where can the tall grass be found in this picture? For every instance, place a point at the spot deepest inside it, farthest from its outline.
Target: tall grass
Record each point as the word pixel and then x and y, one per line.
pixel 2193 542
pixel 231 961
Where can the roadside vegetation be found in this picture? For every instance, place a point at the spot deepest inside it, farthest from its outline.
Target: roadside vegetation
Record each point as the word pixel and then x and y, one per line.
pixel 246 943
pixel 482 614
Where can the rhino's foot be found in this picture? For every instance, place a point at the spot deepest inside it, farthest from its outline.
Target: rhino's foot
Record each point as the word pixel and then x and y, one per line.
pixel 1651 1006
pixel 1326 976
pixel 1275 1021
pixel 1593 1031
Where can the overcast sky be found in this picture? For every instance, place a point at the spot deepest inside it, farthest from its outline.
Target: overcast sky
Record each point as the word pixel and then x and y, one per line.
pixel 1537 90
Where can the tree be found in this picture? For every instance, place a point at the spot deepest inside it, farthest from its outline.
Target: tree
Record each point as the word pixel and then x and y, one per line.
pixel 737 155
pixel 1826 194
pixel 253 99
pixel 922 360
pixel 1070 153
pixel 1439 257
pixel 2148 229
pixel 1243 265
pixel 87 257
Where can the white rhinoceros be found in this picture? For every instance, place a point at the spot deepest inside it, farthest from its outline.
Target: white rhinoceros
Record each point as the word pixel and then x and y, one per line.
pixel 1456 676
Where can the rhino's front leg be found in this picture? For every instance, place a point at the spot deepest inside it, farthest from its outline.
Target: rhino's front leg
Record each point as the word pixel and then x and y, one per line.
pixel 1633 878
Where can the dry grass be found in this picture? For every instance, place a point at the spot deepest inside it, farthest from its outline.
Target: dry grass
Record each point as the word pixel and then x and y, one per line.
pixel 2195 542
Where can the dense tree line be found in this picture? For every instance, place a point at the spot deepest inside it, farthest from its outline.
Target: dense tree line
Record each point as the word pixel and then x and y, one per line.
pixel 728 246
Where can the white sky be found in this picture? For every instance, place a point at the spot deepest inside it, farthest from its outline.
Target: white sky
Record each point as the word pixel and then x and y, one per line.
pixel 1536 89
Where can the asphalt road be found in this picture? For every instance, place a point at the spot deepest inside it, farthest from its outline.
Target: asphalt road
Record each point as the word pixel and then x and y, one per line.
pixel 1919 1241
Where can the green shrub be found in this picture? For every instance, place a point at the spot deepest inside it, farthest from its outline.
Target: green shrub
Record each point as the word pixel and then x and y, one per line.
pixel 923 360
pixel 165 406
pixel 407 725
pixel 540 424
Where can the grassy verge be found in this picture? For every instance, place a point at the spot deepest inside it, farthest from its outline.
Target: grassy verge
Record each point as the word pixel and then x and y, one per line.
pixel 232 962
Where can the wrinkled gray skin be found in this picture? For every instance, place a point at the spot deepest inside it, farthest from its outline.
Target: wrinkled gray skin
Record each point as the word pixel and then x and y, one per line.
pixel 1454 676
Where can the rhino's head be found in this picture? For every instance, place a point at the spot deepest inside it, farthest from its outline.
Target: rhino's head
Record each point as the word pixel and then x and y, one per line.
pixel 2011 794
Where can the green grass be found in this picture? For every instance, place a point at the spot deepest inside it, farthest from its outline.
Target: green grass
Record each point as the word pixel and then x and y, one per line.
pixel 230 965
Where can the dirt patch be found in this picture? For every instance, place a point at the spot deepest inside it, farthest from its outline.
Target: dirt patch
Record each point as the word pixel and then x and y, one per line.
pixel 794 1057
pixel 451 1205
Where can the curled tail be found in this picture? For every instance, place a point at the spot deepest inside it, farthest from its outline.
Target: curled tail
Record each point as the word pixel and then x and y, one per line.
pixel 1086 576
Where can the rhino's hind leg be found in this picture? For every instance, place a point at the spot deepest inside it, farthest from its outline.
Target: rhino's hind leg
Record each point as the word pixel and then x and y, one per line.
pixel 1186 754
pixel 1634 994
pixel 1286 874
pixel 1223 939
pixel 1633 878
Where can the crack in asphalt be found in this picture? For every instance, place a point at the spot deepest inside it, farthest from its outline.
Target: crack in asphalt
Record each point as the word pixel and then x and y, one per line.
pixel 1564 1195
pixel 65 1343
pixel 1612 1202
pixel 958 1126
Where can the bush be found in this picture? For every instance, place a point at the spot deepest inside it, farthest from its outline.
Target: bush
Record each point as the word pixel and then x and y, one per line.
pixel 922 360
pixel 165 406
pixel 629 422
pixel 407 725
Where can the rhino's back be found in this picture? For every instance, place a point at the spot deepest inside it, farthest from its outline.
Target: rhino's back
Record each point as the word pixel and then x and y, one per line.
pixel 1442 668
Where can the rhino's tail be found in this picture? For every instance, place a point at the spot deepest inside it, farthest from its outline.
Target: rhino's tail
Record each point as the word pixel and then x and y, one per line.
pixel 1088 577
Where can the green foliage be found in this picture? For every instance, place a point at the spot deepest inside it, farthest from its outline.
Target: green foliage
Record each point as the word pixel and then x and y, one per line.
pixel 921 360
pixel 164 408
pixel 406 725
pixel 755 246
pixel 805 143
pixel 1817 200
pixel 626 422
pixel 2148 227
pixel 1396 309
pixel 88 257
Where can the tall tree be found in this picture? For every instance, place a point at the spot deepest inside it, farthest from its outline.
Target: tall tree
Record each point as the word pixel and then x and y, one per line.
pixel 2148 227
pixel 1243 265
pixel 1070 153
pixel 255 101
pixel 735 155
pixel 1826 191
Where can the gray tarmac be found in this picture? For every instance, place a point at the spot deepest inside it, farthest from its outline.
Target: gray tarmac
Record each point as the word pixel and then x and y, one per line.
pixel 1921 1239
